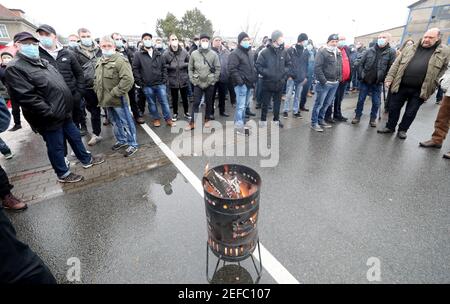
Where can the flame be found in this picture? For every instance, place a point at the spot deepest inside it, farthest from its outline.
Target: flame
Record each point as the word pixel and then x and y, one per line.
pixel 244 190
pixel 207 168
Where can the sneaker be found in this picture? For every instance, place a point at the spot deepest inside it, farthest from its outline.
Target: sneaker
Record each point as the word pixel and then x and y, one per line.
pixel 430 144
pixel 285 115
pixel 402 135
pixel 170 123
pixel 12 203
pixel 140 120
pixel 324 125
pixel 15 128
pixel 130 151
pixel 385 131
pixel 356 120
pixel 95 160
pixel 187 116
pixel 298 115
pixel 190 127
pixel 83 131
pixel 9 155
pixel 317 128
pixel 95 140
pixel 373 123
pixel 118 146
pixel 447 156
pixel 156 123
pixel 175 117
pixel 304 109
pixel 71 179
pixel 250 113
pixel 330 121
pixel 341 119
pixel 279 124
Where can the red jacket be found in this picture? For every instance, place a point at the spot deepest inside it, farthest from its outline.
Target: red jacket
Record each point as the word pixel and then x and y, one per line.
pixel 346 68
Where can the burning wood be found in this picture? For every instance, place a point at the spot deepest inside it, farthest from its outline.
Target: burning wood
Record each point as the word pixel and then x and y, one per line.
pixel 227 185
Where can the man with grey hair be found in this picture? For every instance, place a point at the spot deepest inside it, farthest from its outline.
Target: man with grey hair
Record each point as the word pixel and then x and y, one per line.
pixel 413 78
pixel 372 69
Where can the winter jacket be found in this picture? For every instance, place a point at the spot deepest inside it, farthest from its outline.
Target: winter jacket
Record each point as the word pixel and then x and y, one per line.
pixel 204 68
pixel 177 64
pixel 113 80
pixel 299 67
pixel 224 56
pixel 366 64
pixel 87 58
pixel 3 91
pixel 41 91
pixel 149 71
pixel 69 67
pixel 436 69
pixel 273 64
pixel 328 67
pixel 241 66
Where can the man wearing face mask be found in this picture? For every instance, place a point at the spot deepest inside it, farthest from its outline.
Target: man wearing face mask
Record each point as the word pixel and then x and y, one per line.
pixel 413 78
pixel 204 73
pixel 346 77
pixel 373 68
pixel 328 72
pixel 128 54
pixel 74 42
pixel 67 64
pixel 150 73
pixel 87 54
pixel 223 84
pixel 46 101
pixel 159 45
pixel 273 64
pixel 194 45
pixel 297 76
pixel 243 76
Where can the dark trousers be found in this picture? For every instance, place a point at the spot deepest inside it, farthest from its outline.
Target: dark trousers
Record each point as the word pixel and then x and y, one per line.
pixel 184 97
pixel 336 105
pixel 232 93
pixel 439 94
pixel 93 108
pixel 266 99
pixel 16 112
pixel 222 89
pixel 259 86
pixel 55 141
pixel 137 102
pixel 198 94
pixel 78 113
pixel 305 91
pixel 413 103
pixel 5 186
pixel 19 265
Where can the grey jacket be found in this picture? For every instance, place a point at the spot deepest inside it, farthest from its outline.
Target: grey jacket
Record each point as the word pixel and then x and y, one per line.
pixel 204 68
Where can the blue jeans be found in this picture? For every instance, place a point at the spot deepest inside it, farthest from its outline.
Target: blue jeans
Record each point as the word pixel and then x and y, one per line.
pixel 243 97
pixel 55 141
pixel 159 91
pixel 325 97
pixel 291 86
pixel 123 124
pixel 365 89
pixel 4 149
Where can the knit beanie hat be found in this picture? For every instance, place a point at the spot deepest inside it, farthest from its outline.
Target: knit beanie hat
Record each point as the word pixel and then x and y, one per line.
pixel 242 36
pixel 333 37
pixel 302 37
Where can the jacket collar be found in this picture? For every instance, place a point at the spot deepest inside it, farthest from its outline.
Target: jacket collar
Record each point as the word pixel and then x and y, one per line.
pixel 36 62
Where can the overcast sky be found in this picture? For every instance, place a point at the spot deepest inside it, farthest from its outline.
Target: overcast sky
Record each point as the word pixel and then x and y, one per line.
pixel 318 18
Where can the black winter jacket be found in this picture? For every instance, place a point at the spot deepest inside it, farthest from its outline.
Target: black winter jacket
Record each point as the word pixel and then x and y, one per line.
pixel 69 67
pixel 300 59
pixel 41 91
pixel 366 64
pixel 241 67
pixel 273 64
pixel 177 67
pixel 328 67
pixel 149 71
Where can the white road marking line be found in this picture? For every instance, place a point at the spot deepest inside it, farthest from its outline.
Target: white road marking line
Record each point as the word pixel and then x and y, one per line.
pixel 278 272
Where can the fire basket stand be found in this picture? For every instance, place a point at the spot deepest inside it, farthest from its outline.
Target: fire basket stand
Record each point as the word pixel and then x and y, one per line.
pixel 232 222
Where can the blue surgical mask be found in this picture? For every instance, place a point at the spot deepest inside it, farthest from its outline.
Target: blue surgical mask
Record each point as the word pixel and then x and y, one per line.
pixel 148 43
pixel 305 43
pixel 119 44
pixel 381 42
pixel 30 50
pixel 342 43
pixel 46 42
pixel 73 44
pixel 309 47
pixel 108 53
pixel 86 41
pixel 245 44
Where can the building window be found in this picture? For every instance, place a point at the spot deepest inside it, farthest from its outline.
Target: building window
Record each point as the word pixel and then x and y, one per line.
pixel 3 31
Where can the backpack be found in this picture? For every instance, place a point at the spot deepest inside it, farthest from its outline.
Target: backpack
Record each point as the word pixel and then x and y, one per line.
pixel 5 115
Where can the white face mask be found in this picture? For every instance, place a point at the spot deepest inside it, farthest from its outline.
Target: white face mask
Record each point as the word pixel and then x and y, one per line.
pixel 205 45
